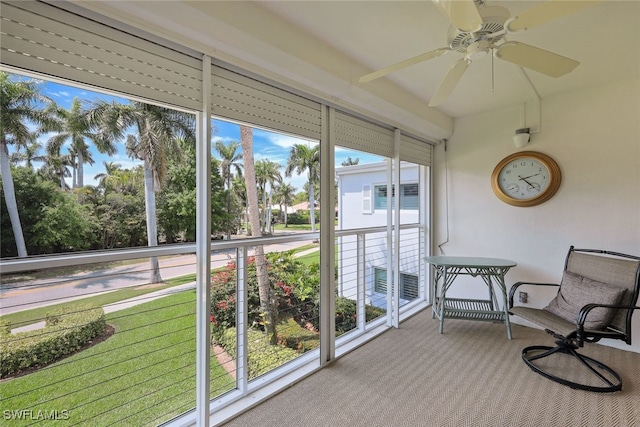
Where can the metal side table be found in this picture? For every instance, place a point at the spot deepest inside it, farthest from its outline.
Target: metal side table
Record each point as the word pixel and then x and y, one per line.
pixel 491 270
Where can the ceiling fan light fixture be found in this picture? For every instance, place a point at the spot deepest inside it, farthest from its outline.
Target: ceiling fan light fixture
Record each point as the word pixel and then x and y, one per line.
pixel 477 50
pixel 522 137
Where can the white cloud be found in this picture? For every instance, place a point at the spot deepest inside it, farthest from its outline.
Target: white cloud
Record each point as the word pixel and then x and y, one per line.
pixel 223 139
pixel 281 140
pixel 60 94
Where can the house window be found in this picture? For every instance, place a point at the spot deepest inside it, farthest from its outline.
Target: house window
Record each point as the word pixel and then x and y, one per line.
pixel 409 196
pixel 409 285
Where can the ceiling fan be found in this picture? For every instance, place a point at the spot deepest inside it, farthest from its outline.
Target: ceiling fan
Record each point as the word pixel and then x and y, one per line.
pixel 477 29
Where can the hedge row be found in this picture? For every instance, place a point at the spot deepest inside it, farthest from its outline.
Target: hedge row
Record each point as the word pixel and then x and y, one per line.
pixel 262 356
pixel 65 331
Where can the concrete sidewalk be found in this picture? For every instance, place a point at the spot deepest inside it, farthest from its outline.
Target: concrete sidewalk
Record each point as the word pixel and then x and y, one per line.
pixel 121 305
pixel 141 299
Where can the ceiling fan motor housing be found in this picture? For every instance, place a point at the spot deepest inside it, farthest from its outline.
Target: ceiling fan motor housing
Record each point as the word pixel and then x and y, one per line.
pixel 476 44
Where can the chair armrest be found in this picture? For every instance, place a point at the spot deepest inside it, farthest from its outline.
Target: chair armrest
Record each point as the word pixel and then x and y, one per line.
pixel 584 311
pixel 516 285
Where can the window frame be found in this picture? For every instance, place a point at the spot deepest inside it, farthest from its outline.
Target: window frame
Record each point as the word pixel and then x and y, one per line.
pixel 380 273
pixel 380 202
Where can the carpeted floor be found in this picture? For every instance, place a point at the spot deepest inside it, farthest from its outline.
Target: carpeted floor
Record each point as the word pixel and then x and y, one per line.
pixel 471 375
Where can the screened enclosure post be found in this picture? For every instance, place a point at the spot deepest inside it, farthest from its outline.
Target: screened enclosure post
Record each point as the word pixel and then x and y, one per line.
pixel 395 252
pixel 389 245
pixel 242 320
pixel 327 239
pixel 429 236
pixel 203 249
pixel 424 231
pixel 361 277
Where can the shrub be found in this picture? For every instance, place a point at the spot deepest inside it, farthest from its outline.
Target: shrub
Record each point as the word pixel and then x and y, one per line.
pixel 223 298
pixel 262 356
pixel 283 272
pixel 296 337
pixel 66 331
pixel 302 217
pixel 5 327
pixel 295 292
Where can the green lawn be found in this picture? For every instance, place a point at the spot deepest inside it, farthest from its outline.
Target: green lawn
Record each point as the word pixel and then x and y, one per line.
pixel 299 227
pixel 142 375
pixel 27 317
pixel 314 257
pixel 293 227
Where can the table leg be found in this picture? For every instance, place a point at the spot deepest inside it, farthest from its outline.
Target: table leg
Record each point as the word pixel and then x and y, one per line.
pixel 505 304
pixel 441 301
pixel 434 292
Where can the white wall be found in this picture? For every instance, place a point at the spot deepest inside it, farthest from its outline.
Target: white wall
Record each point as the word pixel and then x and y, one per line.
pixel 594 135
pixel 350 199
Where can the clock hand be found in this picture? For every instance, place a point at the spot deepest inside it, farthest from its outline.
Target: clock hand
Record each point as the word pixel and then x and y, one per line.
pixel 525 180
pixel 530 176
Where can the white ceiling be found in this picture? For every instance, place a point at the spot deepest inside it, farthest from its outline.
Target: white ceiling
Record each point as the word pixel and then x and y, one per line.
pixel 325 46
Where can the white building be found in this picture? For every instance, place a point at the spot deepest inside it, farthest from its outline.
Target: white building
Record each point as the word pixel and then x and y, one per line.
pixel 363 202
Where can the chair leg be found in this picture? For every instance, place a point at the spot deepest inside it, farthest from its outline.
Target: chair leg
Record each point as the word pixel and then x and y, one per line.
pixel 529 354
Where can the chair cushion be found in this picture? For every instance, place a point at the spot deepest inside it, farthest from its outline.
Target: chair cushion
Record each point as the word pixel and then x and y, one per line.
pixel 577 291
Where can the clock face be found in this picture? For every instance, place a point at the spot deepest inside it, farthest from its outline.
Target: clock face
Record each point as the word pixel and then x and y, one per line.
pixel 526 178
pixel 523 178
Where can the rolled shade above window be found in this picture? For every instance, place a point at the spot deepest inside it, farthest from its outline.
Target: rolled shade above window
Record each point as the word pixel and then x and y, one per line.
pixel 358 134
pixel 415 151
pixel 243 99
pixel 41 38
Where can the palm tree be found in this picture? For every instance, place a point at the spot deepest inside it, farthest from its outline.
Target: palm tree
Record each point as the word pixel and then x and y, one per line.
pixel 267 172
pixel 156 139
pixel 303 158
pixel 19 106
pixel 77 128
pixel 229 159
pixel 29 155
pixel 350 162
pixel 264 290
pixel 239 190
pixel 56 166
pixel 284 196
pixel 105 177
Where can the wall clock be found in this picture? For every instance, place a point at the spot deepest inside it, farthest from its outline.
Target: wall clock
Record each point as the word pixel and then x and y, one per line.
pixel 526 178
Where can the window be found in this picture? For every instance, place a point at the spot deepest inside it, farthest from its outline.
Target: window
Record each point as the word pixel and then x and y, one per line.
pixel 409 196
pixel 409 286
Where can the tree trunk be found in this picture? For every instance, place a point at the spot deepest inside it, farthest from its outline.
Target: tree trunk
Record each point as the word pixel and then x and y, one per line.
pixel 312 208
pixel 264 210
pixel 80 167
pixel 10 200
pixel 152 225
pixel 74 176
pixel 228 197
pixel 264 290
pixel 269 212
pixel 286 219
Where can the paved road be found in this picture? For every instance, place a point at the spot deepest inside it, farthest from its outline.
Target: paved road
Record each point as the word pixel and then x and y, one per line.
pixel 37 293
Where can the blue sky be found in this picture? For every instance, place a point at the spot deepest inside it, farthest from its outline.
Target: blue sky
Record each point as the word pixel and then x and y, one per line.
pixel 268 145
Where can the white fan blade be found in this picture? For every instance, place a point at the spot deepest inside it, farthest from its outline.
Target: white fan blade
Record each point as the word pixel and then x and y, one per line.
pixel 449 82
pixel 403 64
pixel 545 12
pixel 534 58
pixel 463 14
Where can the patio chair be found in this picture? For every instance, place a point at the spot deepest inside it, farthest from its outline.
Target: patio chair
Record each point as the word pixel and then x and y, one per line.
pixel 596 299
